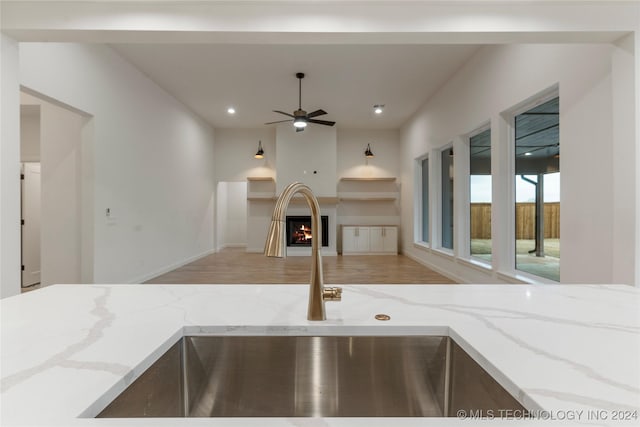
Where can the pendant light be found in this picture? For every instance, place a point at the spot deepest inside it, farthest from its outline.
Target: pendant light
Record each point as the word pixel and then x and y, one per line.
pixel 260 152
pixel 368 153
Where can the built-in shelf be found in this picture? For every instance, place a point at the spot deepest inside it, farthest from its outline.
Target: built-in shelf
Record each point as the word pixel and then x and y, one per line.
pixel 295 199
pixel 367 199
pixel 261 199
pixel 261 189
pixel 384 179
pixel 321 200
pixel 377 196
pixel 260 178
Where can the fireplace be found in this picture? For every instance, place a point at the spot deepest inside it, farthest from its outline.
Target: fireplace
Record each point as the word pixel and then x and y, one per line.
pixel 299 230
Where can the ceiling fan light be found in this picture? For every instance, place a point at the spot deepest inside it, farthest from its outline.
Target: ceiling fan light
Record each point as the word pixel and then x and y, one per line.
pixel 300 122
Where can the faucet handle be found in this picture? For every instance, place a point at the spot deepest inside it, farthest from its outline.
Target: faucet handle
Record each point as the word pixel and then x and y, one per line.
pixel 332 294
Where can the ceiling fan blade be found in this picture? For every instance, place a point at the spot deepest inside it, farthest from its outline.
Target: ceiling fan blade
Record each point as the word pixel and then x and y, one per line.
pixel 282 112
pixel 322 122
pixel 316 113
pixel 299 129
pixel 279 121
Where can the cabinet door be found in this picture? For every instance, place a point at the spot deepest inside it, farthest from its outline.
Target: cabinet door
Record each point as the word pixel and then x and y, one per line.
pixel 349 240
pixel 390 239
pixel 376 236
pixel 362 239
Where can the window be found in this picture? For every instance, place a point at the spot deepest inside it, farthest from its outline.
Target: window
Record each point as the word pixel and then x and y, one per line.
pixel 425 199
pixel 480 195
pixel 537 195
pixel 446 158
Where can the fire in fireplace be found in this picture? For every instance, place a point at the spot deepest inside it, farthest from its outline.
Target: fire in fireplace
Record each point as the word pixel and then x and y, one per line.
pixel 299 231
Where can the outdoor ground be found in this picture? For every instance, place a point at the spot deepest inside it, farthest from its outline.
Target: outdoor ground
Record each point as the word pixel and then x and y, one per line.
pixel 547 266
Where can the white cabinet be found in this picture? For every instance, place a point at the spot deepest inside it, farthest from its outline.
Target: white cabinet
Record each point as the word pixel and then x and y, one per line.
pixel 369 240
pixel 383 239
pixel 355 239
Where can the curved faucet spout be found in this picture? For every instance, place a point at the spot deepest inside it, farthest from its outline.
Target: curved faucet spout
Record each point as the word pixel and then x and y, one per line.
pixel 275 246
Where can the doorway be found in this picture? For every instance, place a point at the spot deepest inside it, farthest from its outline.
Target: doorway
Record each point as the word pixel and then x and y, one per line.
pixel 30 185
pixel 55 155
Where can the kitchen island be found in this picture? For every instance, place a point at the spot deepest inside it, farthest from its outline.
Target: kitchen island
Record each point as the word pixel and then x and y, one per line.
pixel 568 353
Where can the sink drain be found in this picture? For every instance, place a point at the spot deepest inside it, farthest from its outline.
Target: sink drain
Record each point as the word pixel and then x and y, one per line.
pixel 383 317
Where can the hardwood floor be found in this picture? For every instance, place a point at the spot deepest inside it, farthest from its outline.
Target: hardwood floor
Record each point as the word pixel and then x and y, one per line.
pixel 236 266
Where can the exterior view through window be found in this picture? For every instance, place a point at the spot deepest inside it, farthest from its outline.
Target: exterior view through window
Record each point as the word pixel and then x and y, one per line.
pixel 537 185
pixel 480 195
pixel 446 158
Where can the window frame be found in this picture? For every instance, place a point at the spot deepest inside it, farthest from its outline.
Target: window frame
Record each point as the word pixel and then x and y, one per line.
pixel 508 265
pixel 466 252
pixel 418 226
pixel 440 205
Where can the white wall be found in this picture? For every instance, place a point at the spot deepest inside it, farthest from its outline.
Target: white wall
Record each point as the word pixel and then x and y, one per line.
pixel 235 149
pixel 231 215
pixel 221 215
pixel 29 133
pixel 60 145
pixel 9 168
pixel 236 215
pixel 495 80
pixel 309 157
pixel 625 253
pixel 154 160
pixel 385 145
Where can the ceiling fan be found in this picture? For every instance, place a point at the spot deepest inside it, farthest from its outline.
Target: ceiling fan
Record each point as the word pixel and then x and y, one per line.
pixel 301 118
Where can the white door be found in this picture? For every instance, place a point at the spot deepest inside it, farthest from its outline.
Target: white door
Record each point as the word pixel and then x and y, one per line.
pixel 30 224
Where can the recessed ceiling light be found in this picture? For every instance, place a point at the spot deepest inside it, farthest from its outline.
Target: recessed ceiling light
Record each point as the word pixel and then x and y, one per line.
pixel 231 110
pixel 378 108
pixel 527 153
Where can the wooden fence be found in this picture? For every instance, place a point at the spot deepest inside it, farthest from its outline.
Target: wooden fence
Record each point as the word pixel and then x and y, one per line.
pixel 525 220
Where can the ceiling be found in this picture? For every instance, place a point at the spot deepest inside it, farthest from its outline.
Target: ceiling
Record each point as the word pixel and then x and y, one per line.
pixel 344 80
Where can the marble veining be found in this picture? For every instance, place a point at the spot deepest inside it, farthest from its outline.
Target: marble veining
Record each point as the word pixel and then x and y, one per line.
pixel 64 358
pixel 484 319
pixel 72 348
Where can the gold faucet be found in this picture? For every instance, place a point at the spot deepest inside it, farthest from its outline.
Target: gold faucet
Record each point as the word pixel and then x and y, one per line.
pixel 276 247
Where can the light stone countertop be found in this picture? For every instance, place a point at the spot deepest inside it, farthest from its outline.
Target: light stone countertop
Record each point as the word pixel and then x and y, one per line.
pixel 68 350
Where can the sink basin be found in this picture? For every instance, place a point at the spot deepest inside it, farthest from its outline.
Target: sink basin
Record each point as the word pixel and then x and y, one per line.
pixel 311 376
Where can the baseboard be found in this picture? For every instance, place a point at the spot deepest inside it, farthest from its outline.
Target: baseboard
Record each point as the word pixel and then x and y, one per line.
pixel 438 270
pixel 231 246
pixel 170 267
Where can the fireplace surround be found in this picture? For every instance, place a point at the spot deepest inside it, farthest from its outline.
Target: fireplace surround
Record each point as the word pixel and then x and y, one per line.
pixel 299 231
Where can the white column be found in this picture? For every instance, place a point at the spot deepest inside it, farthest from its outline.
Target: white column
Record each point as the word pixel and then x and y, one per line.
pixel 9 168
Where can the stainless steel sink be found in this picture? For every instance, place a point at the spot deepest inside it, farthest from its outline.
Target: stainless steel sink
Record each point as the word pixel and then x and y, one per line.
pixel 325 376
